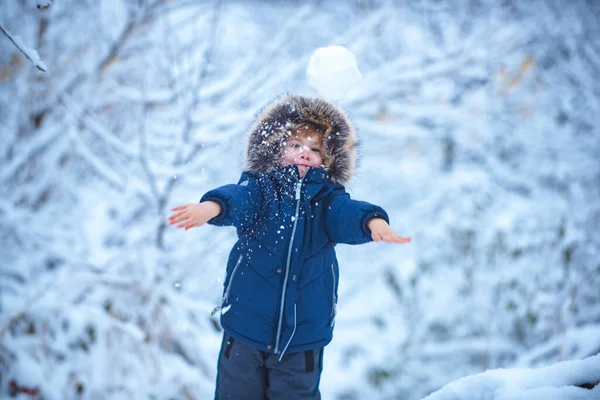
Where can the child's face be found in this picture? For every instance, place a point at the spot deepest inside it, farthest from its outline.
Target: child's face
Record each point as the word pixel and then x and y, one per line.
pixel 304 151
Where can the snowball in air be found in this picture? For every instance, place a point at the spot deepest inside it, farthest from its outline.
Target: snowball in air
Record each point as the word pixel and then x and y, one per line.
pixel 332 71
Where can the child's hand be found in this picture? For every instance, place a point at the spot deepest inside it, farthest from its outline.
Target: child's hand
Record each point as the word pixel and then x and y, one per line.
pixel 382 232
pixel 196 214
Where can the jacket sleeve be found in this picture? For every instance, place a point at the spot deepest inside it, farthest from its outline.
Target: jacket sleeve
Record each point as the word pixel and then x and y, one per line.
pixel 347 219
pixel 239 203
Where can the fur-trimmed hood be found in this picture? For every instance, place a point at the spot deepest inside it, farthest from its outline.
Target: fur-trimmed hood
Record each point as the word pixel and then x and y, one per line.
pixel 287 113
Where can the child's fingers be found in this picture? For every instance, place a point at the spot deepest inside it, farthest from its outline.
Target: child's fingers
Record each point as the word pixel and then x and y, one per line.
pixel 178 208
pixel 395 238
pixel 193 225
pixel 175 217
pixel 184 223
pixel 376 237
pixel 389 238
pixel 180 214
pixel 400 239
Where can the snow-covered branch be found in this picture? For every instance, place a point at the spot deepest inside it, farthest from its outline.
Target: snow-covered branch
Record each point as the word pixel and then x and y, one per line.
pixel 31 54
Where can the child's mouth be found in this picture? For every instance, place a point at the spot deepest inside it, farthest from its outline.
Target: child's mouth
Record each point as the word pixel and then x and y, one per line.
pixel 303 169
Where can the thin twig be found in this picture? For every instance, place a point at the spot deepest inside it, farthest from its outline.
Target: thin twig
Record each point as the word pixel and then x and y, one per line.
pixel 31 54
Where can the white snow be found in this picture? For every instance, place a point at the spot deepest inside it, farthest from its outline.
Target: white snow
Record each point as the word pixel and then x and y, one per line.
pixel 113 15
pixel 332 71
pixel 554 382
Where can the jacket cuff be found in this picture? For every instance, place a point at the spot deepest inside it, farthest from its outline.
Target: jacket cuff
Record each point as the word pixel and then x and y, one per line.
pixel 222 217
pixel 369 215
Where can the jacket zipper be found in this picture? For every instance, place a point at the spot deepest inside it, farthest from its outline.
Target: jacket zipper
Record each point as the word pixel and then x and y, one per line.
pixel 333 299
pixel 287 271
pixel 293 332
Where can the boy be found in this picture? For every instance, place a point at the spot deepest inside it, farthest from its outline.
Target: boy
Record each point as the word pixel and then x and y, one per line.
pixel 290 209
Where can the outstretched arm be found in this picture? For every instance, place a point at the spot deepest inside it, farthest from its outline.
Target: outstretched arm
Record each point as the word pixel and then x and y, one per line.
pixel 194 215
pixel 355 222
pixel 229 205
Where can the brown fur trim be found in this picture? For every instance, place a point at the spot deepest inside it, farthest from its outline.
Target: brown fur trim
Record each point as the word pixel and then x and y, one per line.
pixel 278 120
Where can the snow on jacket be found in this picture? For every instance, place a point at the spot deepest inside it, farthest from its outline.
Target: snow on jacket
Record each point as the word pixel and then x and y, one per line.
pixel 280 290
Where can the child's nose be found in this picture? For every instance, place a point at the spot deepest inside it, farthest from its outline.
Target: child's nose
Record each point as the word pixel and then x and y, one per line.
pixel 304 152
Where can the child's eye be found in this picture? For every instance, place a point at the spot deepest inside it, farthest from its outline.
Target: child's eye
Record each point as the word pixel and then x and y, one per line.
pixel 295 146
pixel 316 150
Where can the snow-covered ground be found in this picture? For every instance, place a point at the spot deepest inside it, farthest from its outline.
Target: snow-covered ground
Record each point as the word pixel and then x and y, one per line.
pixel 559 381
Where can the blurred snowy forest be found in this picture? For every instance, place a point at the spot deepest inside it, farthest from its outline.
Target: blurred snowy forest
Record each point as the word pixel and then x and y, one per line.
pixel 480 130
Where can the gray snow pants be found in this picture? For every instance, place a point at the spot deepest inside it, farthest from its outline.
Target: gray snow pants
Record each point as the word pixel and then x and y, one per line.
pixel 245 372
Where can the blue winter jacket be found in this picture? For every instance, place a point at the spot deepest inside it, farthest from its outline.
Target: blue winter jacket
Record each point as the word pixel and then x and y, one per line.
pixel 280 291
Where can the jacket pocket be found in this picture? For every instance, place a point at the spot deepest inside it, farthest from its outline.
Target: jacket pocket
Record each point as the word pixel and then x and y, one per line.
pixel 221 307
pixel 231 278
pixel 333 299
